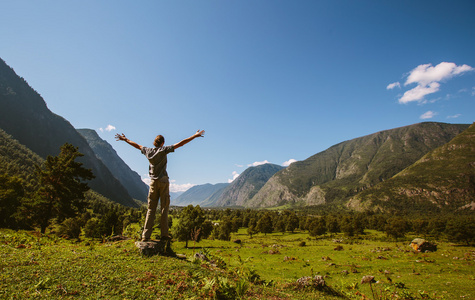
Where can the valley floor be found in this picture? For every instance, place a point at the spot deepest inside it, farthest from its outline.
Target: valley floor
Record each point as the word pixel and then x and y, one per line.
pixel 35 266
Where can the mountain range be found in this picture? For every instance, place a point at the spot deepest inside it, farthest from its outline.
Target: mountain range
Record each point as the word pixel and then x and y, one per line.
pixel 443 177
pixel 26 118
pixel 345 169
pixel 357 172
pixel 419 166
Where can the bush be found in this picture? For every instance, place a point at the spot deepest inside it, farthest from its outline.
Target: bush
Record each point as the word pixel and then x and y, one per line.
pixel 70 229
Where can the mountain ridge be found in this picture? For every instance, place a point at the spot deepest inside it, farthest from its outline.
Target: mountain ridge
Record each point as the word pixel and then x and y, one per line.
pixel 349 167
pixel 198 194
pixel 130 179
pixel 442 178
pixel 246 185
pixel 25 116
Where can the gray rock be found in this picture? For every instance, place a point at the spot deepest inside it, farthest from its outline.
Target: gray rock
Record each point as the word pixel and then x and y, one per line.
pixel 153 247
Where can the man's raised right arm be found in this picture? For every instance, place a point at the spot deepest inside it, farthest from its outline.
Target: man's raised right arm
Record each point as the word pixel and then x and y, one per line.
pixel 121 137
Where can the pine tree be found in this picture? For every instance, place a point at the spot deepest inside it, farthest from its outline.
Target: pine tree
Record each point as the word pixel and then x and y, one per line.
pixel 190 224
pixel 62 188
pixel 11 193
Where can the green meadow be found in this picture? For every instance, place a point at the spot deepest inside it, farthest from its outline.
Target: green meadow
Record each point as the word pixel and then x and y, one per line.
pixel 36 266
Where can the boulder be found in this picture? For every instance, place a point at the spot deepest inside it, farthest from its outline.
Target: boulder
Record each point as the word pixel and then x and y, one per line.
pixel 154 247
pixel 316 282
pixel 423 245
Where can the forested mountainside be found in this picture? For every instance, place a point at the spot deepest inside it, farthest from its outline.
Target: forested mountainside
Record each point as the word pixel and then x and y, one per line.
pixel 444 178
pixel 345 169
pixel 127 177
pixel 19 161
pixel 25 116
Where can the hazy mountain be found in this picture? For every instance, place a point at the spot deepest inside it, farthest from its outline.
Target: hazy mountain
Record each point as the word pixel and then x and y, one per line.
pixel 249 182
pixel 345 169
pixel 25 116
pixel 443 178
pixel 174 195
pixel 198 194
pixel 131 180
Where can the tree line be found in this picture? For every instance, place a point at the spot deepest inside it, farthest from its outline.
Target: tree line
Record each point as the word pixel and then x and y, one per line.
pixel 56 193
pixel 221 223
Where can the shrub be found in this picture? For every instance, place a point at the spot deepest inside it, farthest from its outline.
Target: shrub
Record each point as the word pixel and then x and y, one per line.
pixel 70 229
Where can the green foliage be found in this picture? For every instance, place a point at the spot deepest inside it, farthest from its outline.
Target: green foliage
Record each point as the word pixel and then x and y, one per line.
pixel 61 192
pixel 396 227
pixel 264 224
pixel 16 160
pixel 190 224
pixel 461 229
pixel 317 227
pixel 11 194
pixel 222 231
pixel 69 228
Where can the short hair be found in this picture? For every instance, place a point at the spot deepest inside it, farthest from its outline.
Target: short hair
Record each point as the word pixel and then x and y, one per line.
pixel 159 140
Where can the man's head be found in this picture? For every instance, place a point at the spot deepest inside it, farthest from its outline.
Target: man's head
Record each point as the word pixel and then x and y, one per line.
pixel 159 141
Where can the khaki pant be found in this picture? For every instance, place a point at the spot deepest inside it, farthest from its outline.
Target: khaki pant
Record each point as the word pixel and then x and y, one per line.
pixel 159 189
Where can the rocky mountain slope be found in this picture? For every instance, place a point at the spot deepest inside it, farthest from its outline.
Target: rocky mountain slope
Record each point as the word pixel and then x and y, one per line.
pixel 131 180
pixel 350 167
pixel 248 183
pixel 443 178
pixel 25 116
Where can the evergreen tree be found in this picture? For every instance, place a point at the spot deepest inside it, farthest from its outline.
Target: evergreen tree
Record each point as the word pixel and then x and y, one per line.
pixel 332 224
pixel 252 227
pixel 317 227
pixel 11 193
pixel 190 224
pixel 223 230
pixel 292 222
pixel 396 227
pixel 264 225
pixel 461 229
pixel 62 188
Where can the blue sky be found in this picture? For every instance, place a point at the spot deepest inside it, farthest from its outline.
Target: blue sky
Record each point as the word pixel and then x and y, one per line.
pixel 268 80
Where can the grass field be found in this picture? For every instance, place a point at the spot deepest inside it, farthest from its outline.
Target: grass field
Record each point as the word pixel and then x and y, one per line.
pixel 264 267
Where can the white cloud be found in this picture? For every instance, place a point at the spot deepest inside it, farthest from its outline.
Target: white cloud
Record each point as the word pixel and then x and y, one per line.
pixel 180 187
pixel 173 186
pixel 287 163
pixel 454 116
pixel 428 78
pixel 473 91
pixel 393 85
pixel 258 163
pixel 428 115
pixel 425 74
pixel 418 93
pixel 146 180
pixel 109 128
pixel 235 175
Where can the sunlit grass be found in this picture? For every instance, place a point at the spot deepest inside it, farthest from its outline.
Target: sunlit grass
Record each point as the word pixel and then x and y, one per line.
pixel 35 266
